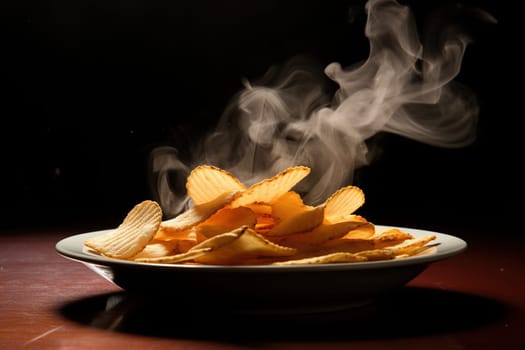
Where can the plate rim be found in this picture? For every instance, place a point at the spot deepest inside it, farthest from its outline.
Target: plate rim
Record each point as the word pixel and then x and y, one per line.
pixel 449 245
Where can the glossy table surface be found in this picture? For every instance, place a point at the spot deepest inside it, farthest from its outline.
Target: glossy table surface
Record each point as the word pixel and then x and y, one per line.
pixel 475 300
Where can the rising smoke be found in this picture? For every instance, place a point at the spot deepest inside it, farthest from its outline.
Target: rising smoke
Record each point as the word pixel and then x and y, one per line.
pixel 289 117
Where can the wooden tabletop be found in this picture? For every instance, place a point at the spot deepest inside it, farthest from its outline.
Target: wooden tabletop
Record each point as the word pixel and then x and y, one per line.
pixel 475 300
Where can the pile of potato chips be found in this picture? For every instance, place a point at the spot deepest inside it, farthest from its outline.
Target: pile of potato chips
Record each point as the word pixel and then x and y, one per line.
pixel 266 223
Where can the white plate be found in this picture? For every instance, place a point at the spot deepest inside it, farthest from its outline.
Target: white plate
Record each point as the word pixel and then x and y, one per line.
pixel 273 289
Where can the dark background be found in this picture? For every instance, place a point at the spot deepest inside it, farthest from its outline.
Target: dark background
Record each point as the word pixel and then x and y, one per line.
pixel 90 88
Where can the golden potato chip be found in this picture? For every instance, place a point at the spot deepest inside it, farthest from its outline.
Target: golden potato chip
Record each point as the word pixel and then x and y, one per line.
pixel 189 234
pixel 346 245
pixel 264 223
pixel 318 235
pixel 182 240
pixel 370 245
pixel 227 219
pixel 192 239
pixel 324 259
pixel 265 220
pixel 377 254
pixel 364 238
pixel 391 237
pixel 343 202
pixel 188 256
pixel 267 190
pixel 197 214
pixel 132 235
pixel 300 222
pixel 361 232
pixel 291 215
pixel 207 182
pixel 156 249
pixel 221 239
pixel 416 250
pixel 412 246
pixel 236 246
pixel 259 208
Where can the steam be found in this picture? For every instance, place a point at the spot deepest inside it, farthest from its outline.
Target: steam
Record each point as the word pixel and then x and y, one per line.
pixel 292 117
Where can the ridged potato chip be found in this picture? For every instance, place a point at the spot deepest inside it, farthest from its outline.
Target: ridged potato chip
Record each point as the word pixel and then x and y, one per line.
pixel 360 232
pixel 377 254
pixel 376 242
pixel 237 246
pixel 291 215
pixel 412 246
pixel 391 237
pixel 319 235
pixel 324 259
pixel 207 182
pixel 156 249
pixel 227 219
pixel 265 219
pixel 188 256
pixel 197 214
pixel 344 202
pixel 267 190
pixel 132 235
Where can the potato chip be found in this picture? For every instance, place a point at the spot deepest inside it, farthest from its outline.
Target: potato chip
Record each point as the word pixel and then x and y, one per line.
pixel 264 224
pixel 182 240
pixel 164 235
pixel 227 219
pixel 132 235
pixel 324 259
pixel 192 238
pixel 343 202
pixel 377 254
pixel 263 212
pixel 197 214
pixel 188 256
pixel 260 209
pixel 416 250
pixel 292 215
pixel 391 237
pixel 412 246
pixel 156 249
pixel 318 235
pixel 267 190
pixel 236 246
pixel 220 240
pixel 207 182
pixel 361 232
pixel 352 245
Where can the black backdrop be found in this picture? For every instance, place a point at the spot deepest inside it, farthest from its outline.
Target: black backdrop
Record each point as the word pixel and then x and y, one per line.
pixel 89 88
